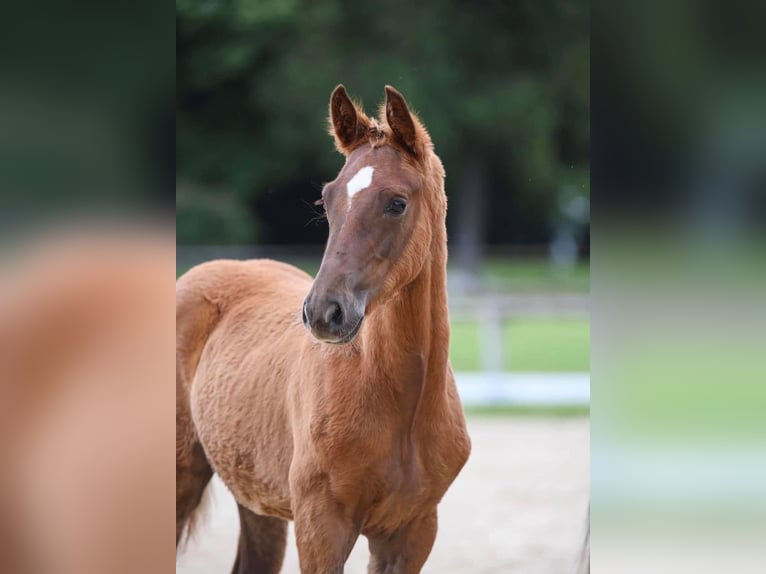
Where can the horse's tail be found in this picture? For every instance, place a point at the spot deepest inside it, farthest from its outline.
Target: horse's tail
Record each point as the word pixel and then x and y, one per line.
pixel 196 317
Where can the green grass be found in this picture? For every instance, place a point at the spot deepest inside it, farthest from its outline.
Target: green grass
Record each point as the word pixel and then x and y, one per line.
pixel 513 410
pixel 545 345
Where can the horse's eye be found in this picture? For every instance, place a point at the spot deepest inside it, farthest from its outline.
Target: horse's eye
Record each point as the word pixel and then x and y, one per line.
pixel 396 206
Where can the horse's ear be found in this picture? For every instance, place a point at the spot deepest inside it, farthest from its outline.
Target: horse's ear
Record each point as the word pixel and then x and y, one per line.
pixel 347 123
pixel 405 128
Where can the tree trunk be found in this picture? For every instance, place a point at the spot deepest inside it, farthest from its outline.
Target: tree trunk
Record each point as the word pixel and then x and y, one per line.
pixel 470 221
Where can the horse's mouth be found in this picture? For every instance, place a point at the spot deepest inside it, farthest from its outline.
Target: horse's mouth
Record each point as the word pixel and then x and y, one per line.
pixel 348 336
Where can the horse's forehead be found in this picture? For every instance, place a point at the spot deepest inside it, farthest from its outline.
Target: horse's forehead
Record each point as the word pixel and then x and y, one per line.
pixel 366 166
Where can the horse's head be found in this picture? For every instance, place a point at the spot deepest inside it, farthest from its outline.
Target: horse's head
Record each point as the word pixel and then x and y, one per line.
pixel 381 209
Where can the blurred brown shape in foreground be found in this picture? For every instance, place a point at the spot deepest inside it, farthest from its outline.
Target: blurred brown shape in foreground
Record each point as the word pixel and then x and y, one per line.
pixel 87 331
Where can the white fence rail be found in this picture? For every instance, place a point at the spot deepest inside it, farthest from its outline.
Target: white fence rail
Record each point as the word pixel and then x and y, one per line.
pixel 494 387
pixel 554 390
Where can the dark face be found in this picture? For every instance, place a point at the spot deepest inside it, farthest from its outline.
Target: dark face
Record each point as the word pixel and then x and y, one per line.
pixel 374 208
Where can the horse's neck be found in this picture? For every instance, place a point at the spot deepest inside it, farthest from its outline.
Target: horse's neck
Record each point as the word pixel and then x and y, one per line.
pixel 407 341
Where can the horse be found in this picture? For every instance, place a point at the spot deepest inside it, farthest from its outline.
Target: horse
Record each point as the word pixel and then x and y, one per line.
pixel 331 402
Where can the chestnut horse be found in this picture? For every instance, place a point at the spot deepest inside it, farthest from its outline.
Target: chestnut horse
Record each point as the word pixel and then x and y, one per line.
pixel 353 424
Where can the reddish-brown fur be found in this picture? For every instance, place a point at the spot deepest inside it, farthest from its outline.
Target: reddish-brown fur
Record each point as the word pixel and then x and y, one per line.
pixel 85 356
pixel 345 439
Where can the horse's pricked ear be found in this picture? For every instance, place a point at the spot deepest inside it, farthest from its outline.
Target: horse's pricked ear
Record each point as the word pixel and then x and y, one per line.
pixel 347 123
pixel 400 121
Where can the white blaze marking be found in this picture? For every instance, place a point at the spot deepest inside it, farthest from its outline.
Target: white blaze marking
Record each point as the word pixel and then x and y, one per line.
pixel 360 181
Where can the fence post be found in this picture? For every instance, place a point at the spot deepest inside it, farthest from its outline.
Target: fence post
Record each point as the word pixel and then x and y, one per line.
pixel 491 337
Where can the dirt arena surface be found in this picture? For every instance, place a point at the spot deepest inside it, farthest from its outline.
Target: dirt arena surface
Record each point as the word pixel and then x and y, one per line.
pixel 518 506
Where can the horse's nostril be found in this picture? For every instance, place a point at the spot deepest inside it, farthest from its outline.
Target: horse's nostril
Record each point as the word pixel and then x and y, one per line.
pixel 305 318
pixel 334 315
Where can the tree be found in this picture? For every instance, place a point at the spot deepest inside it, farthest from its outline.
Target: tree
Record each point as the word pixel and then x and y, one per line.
pixel 502 86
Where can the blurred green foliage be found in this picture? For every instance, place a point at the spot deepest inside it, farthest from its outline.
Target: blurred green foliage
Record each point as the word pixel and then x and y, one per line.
pixel 505 82
pixel 86 111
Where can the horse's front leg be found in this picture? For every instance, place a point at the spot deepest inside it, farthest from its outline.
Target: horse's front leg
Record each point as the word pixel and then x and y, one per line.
pixel 406 550
pixel 325 532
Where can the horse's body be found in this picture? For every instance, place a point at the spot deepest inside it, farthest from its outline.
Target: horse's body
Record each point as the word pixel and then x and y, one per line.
pixel 362 437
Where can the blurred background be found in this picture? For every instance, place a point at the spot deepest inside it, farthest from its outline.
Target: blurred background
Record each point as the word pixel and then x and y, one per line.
pixel 87 261
pixel 678 180
pixel 86 115
pixel 503 88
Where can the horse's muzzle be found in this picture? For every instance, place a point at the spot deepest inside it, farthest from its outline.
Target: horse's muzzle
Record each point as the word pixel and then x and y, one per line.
pixel 331 319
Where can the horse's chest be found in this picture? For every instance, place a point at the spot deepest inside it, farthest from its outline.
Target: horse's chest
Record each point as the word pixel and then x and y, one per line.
pixel 394 494
pixel 395 487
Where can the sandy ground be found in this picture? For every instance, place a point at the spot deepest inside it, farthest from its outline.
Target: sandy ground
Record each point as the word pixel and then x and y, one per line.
pixel 519 506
